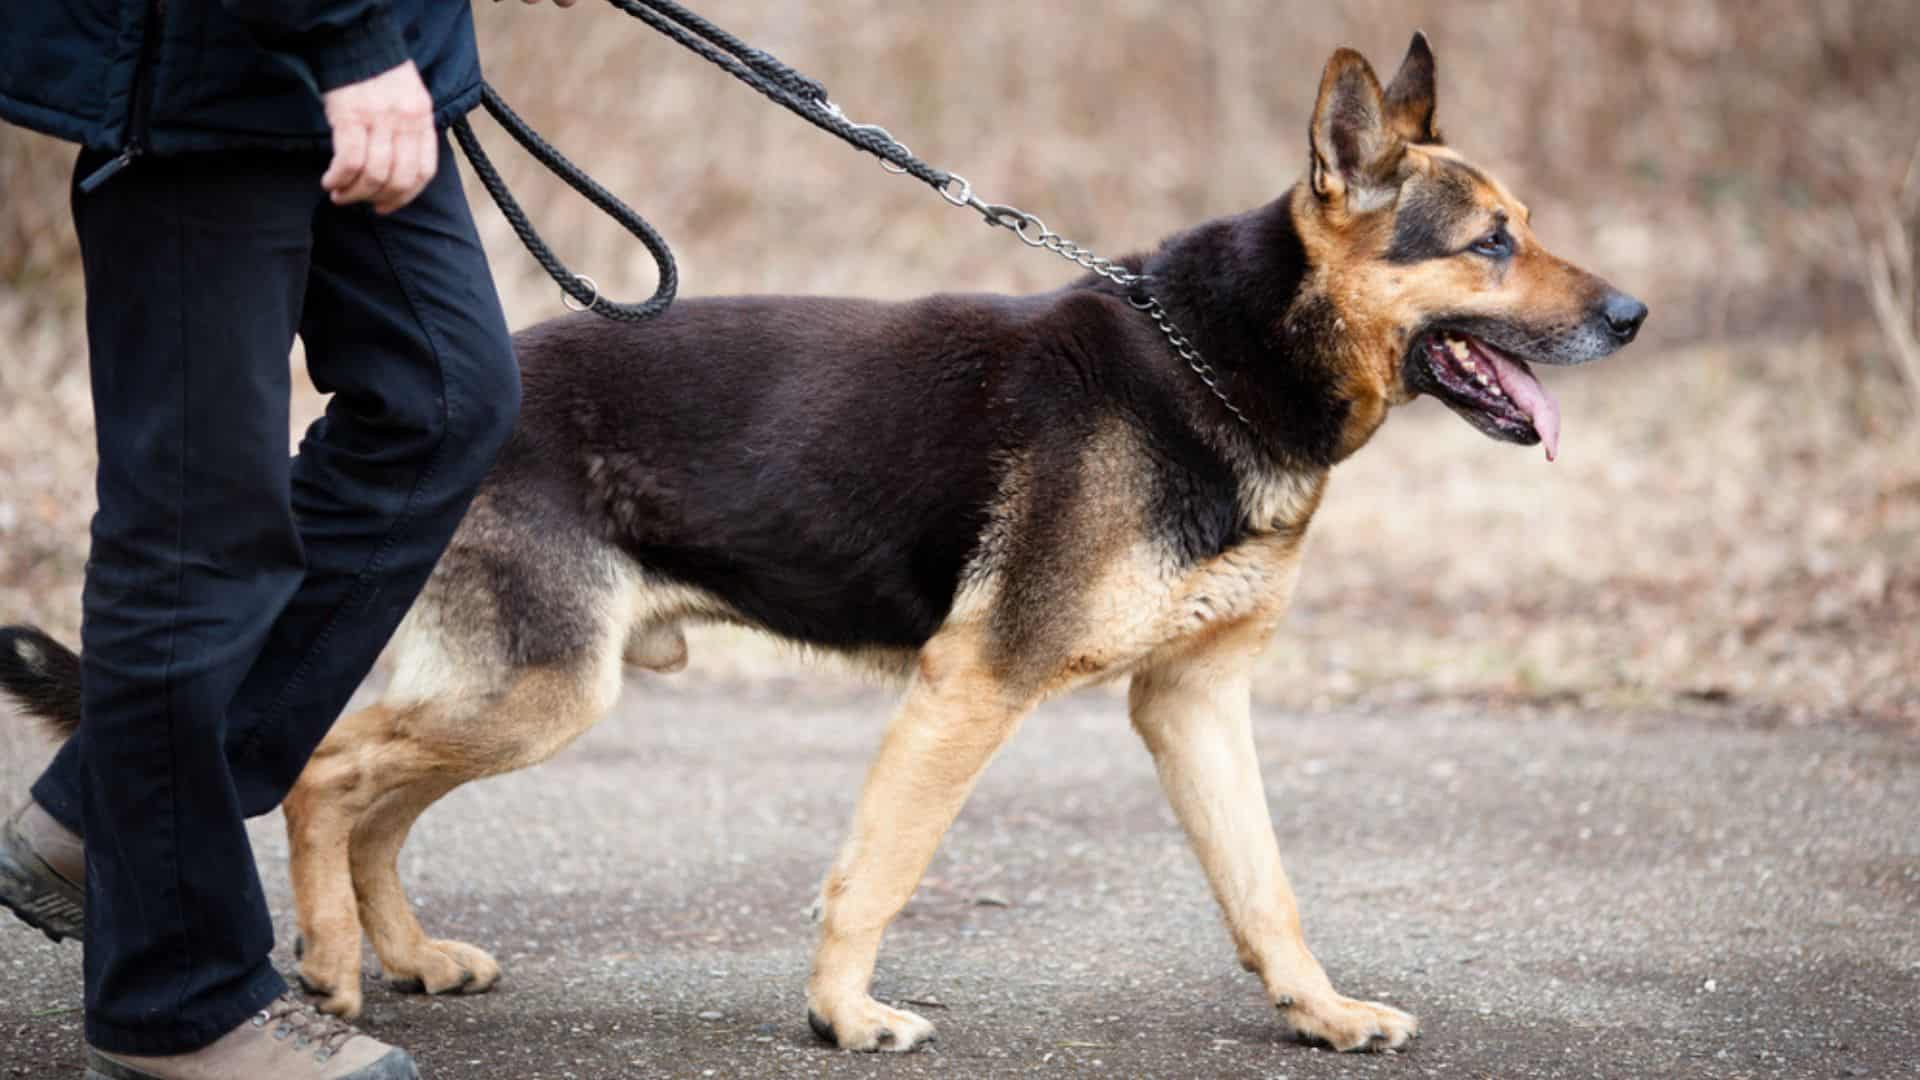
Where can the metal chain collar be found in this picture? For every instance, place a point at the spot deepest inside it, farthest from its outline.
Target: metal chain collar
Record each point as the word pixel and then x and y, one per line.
pixel 1034 233
pixel 1187 352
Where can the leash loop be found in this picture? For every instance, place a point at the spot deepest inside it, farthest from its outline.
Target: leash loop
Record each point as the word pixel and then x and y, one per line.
pixel 579 288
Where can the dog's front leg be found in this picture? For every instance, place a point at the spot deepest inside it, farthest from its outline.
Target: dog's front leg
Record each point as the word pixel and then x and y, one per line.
pixel 1193 714
pixel 955 715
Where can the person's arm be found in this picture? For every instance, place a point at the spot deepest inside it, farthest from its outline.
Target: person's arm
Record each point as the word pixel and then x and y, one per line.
pixel 332 43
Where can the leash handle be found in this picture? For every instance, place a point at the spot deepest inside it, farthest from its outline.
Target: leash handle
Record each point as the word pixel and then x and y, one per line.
pixel 583 291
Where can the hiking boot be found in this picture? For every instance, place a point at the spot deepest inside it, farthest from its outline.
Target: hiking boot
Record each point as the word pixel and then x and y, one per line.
pixel 287 1040
pixel 43 873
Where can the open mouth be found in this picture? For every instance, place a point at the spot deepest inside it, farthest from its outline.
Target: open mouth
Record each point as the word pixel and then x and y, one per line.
pixel 1495 392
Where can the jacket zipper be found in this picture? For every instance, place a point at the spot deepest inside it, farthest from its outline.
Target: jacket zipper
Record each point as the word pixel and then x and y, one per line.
pixel 140 115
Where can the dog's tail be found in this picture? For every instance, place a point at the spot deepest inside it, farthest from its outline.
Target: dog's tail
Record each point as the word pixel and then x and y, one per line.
pixel 42 676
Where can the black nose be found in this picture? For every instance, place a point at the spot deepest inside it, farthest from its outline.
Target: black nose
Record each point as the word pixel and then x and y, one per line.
pixel 1624 315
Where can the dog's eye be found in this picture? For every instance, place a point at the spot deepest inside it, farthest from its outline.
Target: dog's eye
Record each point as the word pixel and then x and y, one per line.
pixel 1495 245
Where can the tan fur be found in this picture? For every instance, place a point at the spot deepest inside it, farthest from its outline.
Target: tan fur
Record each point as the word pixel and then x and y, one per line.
pixel 955 717
pixel 1191 708
pixel 1381 304
pixel 374 774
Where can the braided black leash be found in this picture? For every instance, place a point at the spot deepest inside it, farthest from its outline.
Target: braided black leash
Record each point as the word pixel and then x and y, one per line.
pixel 803 96
pixel 807 99
pixel 799 94
pixel 582 289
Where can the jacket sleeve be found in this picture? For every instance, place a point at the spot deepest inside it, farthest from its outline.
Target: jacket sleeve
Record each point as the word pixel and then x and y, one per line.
pixel 329 42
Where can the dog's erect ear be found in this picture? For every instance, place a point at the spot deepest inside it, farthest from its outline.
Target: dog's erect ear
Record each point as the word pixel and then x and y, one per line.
pixel 1410 95
pixel 1354 151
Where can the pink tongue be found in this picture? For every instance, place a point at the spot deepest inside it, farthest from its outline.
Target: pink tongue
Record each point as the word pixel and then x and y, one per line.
pixel 1532 398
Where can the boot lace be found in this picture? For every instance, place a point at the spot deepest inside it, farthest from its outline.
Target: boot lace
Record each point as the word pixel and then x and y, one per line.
pixel 292 1018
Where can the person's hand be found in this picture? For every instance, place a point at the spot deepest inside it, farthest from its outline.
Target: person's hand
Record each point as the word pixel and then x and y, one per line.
pixel 385 149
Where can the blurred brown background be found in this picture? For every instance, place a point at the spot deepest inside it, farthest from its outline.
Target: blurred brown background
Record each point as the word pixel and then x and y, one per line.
pixel 1734 523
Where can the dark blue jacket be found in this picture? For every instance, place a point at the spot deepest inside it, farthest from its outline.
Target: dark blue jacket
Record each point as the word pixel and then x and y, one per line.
pixel 164 76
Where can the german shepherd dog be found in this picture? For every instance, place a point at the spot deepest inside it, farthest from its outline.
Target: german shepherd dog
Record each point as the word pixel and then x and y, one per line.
pixel 999 498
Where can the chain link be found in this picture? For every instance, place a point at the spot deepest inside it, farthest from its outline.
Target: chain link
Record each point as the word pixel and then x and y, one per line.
pixel 1034 233
pixel 1187 352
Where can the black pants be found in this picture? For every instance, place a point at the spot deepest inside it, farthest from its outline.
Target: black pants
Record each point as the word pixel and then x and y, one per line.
pixel 235 598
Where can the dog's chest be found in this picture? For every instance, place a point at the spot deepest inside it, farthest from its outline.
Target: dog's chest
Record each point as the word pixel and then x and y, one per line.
pixel 1253 578
pixel 1142 608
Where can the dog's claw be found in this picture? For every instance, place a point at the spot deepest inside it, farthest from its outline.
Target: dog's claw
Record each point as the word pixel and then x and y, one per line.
pixel 445 967
pixel 821 1029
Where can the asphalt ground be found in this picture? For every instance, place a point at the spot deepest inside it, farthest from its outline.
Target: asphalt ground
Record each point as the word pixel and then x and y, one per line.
pixel 1556 893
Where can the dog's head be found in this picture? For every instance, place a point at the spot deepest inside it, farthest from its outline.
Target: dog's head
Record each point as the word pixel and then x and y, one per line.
pixel 1431 266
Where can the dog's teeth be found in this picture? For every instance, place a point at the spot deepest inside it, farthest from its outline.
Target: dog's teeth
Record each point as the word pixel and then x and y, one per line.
pixel 1459 348
pixel 1471 366
pixel 1482 376
pixel 1496 391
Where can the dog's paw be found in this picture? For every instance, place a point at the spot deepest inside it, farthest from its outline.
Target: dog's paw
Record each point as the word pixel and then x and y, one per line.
pixel 334 980
pixel 1345 1024
pixel 343 1002
pixel 338 995
pixel 442 967
pixel 866 1025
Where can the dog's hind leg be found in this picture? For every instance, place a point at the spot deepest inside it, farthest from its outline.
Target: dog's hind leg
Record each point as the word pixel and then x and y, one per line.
pixel 411 961
pixel 372 776
pixel 1193 713
pixel 954 717
pixel 511 651
pixel 330 796
pixel 542 712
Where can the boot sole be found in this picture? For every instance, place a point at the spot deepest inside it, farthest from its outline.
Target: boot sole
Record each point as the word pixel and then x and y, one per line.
pixel 101 1068
pixel 34 902
pixel 396 1065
